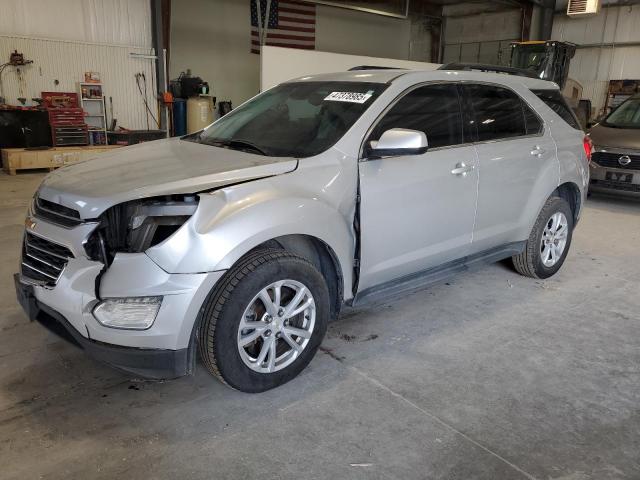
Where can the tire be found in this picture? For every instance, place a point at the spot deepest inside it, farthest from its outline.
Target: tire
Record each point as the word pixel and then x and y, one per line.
pixel 531 262
pixel 237 299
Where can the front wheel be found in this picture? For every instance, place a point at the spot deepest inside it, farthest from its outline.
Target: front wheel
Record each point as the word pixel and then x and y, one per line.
pixel 549 241
pixel 264 323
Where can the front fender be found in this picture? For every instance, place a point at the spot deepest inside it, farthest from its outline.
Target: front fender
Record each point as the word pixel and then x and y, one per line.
pixel 232 221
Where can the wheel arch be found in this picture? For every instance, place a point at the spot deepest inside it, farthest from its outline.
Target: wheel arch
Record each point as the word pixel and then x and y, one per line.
pixel 570 192
pixel 321 255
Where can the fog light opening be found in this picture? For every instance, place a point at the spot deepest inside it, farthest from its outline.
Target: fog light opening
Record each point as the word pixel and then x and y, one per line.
pixel 129 313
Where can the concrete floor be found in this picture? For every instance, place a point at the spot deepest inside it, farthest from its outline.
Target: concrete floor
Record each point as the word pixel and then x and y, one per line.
pixel 489 376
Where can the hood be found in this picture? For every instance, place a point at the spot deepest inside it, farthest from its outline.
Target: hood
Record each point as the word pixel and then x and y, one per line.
pixel 162 167
pixel 622 138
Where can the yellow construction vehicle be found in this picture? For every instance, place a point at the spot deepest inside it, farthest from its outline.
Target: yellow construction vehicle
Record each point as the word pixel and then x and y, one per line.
pixel 550 60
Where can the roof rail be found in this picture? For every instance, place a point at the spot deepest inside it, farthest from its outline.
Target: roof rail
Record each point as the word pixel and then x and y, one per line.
pixel 482 67
pixel 373 67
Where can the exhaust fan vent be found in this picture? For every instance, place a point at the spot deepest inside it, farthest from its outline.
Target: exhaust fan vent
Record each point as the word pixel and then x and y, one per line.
pixel 583 8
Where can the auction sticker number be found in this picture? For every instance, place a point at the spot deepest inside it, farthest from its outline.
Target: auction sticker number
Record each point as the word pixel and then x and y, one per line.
pixel 352 97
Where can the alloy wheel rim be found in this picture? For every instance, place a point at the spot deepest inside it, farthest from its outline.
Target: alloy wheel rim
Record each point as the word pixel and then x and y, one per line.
pixel 554 239
pixel 276 326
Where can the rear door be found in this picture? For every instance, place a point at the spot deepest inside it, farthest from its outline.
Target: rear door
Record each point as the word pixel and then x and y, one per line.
pixel 415 212
pixel 516 157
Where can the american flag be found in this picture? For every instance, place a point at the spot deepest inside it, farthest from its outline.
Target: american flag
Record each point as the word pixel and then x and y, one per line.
pixel 291 24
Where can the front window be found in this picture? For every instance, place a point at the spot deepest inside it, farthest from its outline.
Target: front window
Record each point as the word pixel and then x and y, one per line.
pixel 299 119
pixel 433 109
pixel 626 115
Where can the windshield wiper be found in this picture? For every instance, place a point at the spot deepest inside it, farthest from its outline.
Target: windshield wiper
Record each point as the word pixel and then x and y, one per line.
pixel 193 137
pixel 244 144
pixel 235 144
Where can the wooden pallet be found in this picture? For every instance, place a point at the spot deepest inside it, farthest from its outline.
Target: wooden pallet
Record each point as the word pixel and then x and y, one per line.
pixel 14 159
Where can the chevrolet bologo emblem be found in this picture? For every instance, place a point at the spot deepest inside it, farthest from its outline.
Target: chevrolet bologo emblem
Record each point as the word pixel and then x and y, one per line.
pixel 30 223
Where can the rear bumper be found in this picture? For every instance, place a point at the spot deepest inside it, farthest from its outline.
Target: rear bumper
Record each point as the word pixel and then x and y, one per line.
pixel 144 362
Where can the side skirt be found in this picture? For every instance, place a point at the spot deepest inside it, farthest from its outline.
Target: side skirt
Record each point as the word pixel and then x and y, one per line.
pixel 417 281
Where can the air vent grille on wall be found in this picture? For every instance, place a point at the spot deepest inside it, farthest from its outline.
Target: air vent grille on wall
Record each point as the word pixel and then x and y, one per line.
pixel 581 8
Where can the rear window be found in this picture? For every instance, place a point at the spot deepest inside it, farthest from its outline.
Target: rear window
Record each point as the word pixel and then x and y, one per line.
pixel 555 101
pixel 501 113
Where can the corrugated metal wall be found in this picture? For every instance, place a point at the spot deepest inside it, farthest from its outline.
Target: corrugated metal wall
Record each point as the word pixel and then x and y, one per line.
pixel 67 61
pixel 606 57
pixel 481 37
pixel 118 22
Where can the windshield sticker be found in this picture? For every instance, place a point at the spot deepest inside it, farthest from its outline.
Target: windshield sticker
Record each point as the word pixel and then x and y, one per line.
pixel 352 97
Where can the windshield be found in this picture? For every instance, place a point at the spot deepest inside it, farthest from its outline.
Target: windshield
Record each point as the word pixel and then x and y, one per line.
pixel 529 57
pixel 298 119
pixel 626 115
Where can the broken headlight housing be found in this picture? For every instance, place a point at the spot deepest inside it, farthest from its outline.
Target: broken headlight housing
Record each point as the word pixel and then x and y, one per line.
pixel 135 226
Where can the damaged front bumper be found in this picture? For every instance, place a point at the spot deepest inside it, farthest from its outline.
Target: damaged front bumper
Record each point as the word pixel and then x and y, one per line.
pixel 145 362
pixel 164 350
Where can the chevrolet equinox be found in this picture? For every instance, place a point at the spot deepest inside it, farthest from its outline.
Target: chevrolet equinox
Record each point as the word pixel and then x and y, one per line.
pixel 241 241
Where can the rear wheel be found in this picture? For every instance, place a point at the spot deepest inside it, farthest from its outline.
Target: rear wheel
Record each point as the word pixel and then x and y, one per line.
pixel 264 323
pixel 549 241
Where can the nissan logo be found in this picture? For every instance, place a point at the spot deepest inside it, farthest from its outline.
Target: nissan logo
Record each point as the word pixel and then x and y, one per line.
pixel 624 160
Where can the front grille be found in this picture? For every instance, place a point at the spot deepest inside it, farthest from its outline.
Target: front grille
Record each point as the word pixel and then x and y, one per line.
pixel 43 260
pixel 627 187
pixel 608 159
pixel 56 213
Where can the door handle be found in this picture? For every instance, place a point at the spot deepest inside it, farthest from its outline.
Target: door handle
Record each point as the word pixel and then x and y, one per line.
pixel 462 169
pixel 537 151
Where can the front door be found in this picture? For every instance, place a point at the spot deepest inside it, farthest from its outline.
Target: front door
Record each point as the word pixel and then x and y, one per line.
pixel 418 211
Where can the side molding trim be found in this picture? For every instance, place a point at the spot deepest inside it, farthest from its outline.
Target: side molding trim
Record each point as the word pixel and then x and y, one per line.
pixel 417 281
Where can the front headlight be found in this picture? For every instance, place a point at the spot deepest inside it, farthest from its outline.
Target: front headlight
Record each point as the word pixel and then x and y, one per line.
pixel 135 226
pixel 130 313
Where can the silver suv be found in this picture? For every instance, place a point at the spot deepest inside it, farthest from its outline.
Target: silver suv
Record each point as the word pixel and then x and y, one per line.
pixel 243 240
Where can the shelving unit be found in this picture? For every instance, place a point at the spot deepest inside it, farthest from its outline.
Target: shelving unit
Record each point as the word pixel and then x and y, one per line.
pixel 92 102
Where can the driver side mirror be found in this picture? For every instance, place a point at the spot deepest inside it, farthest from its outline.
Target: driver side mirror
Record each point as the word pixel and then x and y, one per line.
pixel 399 141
